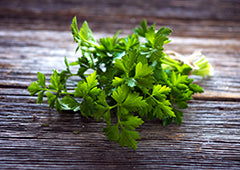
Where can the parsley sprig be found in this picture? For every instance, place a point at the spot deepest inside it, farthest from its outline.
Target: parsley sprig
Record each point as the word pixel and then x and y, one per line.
pixel 132 81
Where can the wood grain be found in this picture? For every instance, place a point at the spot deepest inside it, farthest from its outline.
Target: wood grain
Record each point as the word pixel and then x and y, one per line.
pixel 208 18
pixel 35 36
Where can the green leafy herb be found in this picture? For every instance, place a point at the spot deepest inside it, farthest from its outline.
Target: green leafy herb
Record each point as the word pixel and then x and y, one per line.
pixel 132 81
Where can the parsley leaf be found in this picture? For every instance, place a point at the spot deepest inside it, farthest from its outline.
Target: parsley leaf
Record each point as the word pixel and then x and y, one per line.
pixel 86 87
pixel 128 138
pixel 127 62
pixel 133 80
pixel 34 88
pixel 132 122
pixel 55 81
pixel 120 94
pixel 41 79
pixel 69 103
pixel 112 132
pixel 142 29
pixel 124 132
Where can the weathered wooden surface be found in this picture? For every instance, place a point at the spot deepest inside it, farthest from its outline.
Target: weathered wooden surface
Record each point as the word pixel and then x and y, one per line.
pixel 201 18
pixel 209 137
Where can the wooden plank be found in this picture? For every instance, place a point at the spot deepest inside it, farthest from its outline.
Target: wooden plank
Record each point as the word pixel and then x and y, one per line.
pixel 208 137
pixel 33 38
pixel 200 9
pixel 205 16
pixel 203 140
pixel 187 8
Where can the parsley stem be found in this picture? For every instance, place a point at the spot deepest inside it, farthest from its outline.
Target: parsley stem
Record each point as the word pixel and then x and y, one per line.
pixel 55 91
pixel 118 114
pixel 92 44
pixel 170 62
pixel 112 107
pixel 74 75
pixel 154 98
pixel 67 93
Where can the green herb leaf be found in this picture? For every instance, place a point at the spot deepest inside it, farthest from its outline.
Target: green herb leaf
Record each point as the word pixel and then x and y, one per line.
pixel 128 138
pixel 143 75
pixel 141 30
pixel 160 91
pixel 41 79
pixel 132 122
pixel 112 132
pixel 86 33
pixel 163 110
pixel 143 70
pixel 179 115
pixel 133 102
pixel 85 87
pixel 34 88
pixel 69 103
pixel 40 97
pixel 74 27
pixel 51 98
pixel 91 80
pixel 127 62
pixel 87 107
pixel 133 80
pixel 120 94
pixel 55 81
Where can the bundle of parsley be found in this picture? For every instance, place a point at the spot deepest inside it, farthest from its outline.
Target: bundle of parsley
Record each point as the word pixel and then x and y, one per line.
pixel 132 81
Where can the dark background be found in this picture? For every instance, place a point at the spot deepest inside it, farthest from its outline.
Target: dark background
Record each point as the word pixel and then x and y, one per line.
pixel 204 16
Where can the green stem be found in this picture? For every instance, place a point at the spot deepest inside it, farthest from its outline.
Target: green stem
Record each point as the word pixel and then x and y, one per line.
pixel 154 99
pixel 51 90
pixel 95 45
pixel 170 62
pixel 74 75
pixel 118 115
pixel 55 91
pixel 112 107
pixel 67 93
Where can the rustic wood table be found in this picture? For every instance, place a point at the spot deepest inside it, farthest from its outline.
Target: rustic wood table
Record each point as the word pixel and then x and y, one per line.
pixel 35 36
